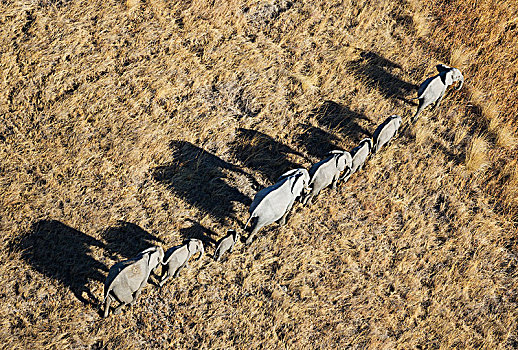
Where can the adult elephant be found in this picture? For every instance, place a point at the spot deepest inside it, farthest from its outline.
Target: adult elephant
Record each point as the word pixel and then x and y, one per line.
pixel 126 279
pixel 432 89
pixel 274 203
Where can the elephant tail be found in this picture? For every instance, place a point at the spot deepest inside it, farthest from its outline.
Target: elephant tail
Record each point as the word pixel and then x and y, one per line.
pixel 253 222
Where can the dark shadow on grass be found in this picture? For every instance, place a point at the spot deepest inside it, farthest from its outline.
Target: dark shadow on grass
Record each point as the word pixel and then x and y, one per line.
pixel 377 71
pixel 316 141
pixel 198 177
pixel 64 254
pixel 200 232
pixel 262 153
pixel 128 239
pixel 334 116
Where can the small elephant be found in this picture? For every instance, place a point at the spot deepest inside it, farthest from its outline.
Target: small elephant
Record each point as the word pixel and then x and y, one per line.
pixel 226 244
pixel 327 172
pixel 432 89
pixel 178 257
pixel 274 203
pixel 359 154
pixel 385 132
pixel 126 279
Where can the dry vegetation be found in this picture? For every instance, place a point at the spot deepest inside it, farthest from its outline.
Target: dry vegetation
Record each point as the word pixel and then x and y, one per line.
pixel 132 123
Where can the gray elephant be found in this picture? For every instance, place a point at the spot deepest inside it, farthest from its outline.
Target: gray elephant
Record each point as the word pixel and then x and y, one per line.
pixel 177 258
pixel 385 132
pixel 359 154
pixel 432 89
pixel 327 172
pixel 273 203
pixel 126 279
pixel 226 244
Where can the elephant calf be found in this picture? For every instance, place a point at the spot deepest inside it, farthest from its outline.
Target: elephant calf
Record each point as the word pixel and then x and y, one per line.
pixel 178 257
pixel 327 172
pixel 126 279
pixel 385 132
pixel 226 244
pixel 432 89
pixel 273 203
pixel 359 154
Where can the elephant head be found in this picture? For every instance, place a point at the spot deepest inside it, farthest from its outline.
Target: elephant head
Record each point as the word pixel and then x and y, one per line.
pixel 449 75
pixel 343 159
pixel 194 246
pixel 397 119
pixel 155 257
pixel 368 141
pixel 301 172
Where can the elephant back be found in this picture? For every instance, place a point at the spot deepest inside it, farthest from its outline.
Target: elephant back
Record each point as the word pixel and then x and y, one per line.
pixel 170 252
pixel 317 166
pixel 262 194
pixel 114 272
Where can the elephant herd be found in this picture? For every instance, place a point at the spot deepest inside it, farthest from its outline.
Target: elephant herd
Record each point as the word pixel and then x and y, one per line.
pixel 126 279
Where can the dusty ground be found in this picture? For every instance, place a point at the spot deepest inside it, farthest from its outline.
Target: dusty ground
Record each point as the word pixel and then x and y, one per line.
pixel 126 124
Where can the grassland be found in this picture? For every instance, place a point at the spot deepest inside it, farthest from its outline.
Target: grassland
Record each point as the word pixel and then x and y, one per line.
pixel 132 123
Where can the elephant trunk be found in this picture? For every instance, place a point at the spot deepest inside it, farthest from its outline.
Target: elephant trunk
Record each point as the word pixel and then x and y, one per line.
pixel 461 79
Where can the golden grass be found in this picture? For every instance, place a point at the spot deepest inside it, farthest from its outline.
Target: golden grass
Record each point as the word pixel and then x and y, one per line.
pixel 477 154
pixel 133 123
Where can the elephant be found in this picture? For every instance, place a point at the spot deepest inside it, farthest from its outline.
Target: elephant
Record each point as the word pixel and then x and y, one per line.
pixel 178 257
pixel 359 154
pixel 226 244
pixel 385 132
pixel 432 89
pixel 273 203
pixel 126 279
pixel 327 172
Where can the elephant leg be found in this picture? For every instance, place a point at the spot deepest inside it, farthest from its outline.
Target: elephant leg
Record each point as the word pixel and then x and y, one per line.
pixel 252 234
pixel 165 276
pixel 177 272
pixel 250 238
pixel 419 110
pixel 438 102
pixel 118 309
pixel 134 301
pixel 137 293
pixel 335 181
pixel 307 198
pixel 107 305
pixel 282 221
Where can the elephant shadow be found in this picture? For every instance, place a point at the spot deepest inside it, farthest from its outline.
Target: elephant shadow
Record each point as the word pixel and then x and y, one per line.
pixel 378 72
pixel 201 179
pixel 334 116
pixel 316 141
pixel 127 239
pixel 198 231
pixel 64 254
pixel 262 153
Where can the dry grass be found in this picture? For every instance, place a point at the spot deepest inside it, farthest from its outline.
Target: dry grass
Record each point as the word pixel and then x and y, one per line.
pixel 133 123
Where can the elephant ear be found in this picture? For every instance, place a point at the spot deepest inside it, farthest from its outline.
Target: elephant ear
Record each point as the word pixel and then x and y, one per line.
pixel 446 77
pixel 337 160
pixel 294 181
pixel 369 144
pixel 442 68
